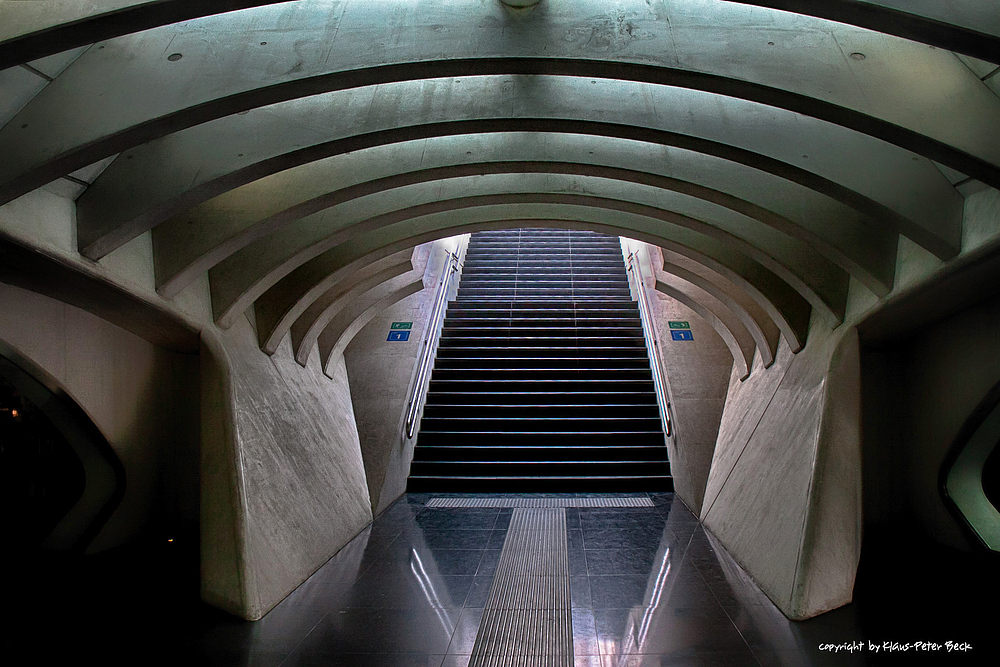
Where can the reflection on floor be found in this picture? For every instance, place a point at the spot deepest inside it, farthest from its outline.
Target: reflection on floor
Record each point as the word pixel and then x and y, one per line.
pixel 648 585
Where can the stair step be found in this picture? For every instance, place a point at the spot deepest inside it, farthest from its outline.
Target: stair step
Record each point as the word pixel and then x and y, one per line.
pixel 564 342
pixel 528 484
pixel 482 397
pixel 517 453
pixel 539 468
pixel 540 424
pixel 565 411
pixel 542 374
pixel 542 351
pixel 538 363
pixel 542 439
pixel 542 379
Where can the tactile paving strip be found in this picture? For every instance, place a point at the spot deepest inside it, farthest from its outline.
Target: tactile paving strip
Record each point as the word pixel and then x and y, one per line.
pixel 539 502
pixel 528 619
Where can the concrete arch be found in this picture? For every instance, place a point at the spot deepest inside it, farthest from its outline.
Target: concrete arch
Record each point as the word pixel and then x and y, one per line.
pixel 257 269
pixel 893 188
pixel 339 332
pixel 278 306
pixel 966 26
pixel 759 326
pixel 722 310
pixel 307 328
pixel 131 68
pixel 34 30
pixel 730 329
pixel 268 259
pixel 797 263
pixel 187 246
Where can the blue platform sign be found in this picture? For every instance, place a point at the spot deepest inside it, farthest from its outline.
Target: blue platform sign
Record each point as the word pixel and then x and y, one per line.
pixel 681 334
pixel 399 336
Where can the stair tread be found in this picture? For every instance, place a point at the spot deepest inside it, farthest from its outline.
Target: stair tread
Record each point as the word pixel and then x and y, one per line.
pixel 543 334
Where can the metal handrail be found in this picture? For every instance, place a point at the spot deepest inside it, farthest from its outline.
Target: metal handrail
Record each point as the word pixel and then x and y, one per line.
pixel 652 344
pixel 450 268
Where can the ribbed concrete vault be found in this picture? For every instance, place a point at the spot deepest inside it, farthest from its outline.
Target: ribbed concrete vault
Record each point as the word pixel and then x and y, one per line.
pixel 283 146
pixel 786 152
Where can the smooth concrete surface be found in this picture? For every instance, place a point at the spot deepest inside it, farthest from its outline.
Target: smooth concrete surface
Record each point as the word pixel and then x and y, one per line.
pixel 138 395
pixel 354 33
pixel 294 474
pixel 741 345
pixel 334 340
pixel 968 26
pixel 39 254
pixel 697 374
pixel 875 134
pixel 762 327
pixel 981 222
pixel 42 219
pixel 199 232
pixel 381 378
pixel 268 266
pixel 311 323
pixel 282 481
pixel 739 315
pixel 784 491
pixel 21 18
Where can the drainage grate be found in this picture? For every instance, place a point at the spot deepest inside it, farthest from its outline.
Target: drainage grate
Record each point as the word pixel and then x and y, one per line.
pixel 539 502
pixel 528 619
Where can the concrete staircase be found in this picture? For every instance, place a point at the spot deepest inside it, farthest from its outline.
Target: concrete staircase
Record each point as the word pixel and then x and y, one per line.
pixel 542 380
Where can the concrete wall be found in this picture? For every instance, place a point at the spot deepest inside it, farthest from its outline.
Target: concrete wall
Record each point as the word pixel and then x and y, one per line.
pixel 294 463
pixel 143 399
pixel 919 393
pixel 920 386
pixel 381 375
pixel 784 494
pixel 698 374
pixel 284 482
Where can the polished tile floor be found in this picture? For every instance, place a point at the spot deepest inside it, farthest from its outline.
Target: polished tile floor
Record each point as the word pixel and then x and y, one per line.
pixel 649 587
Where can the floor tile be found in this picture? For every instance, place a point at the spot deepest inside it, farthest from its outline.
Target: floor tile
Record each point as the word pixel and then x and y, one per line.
pixel 649 587
pixel 689 659
pixel 464 638
pixel 488 563
pixel 479 592
pixel 458 539
pixel 612 537
pixel 388 589
pixel 666 631
pixel 382 631
pixel 579 588
pixel 319 657
pixel 496 538
pixel 619 591
pixel 619 561
pixel 584 633
pixel 457 519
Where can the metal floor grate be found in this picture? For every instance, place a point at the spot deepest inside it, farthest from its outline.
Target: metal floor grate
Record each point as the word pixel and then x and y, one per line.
pixel 528 619
pixel 539 502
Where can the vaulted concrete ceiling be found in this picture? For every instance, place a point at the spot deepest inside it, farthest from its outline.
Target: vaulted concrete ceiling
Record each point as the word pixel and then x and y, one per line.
pixel 295 150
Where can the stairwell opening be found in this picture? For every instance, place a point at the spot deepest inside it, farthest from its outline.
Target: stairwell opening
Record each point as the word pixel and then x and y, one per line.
pixel 542 379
